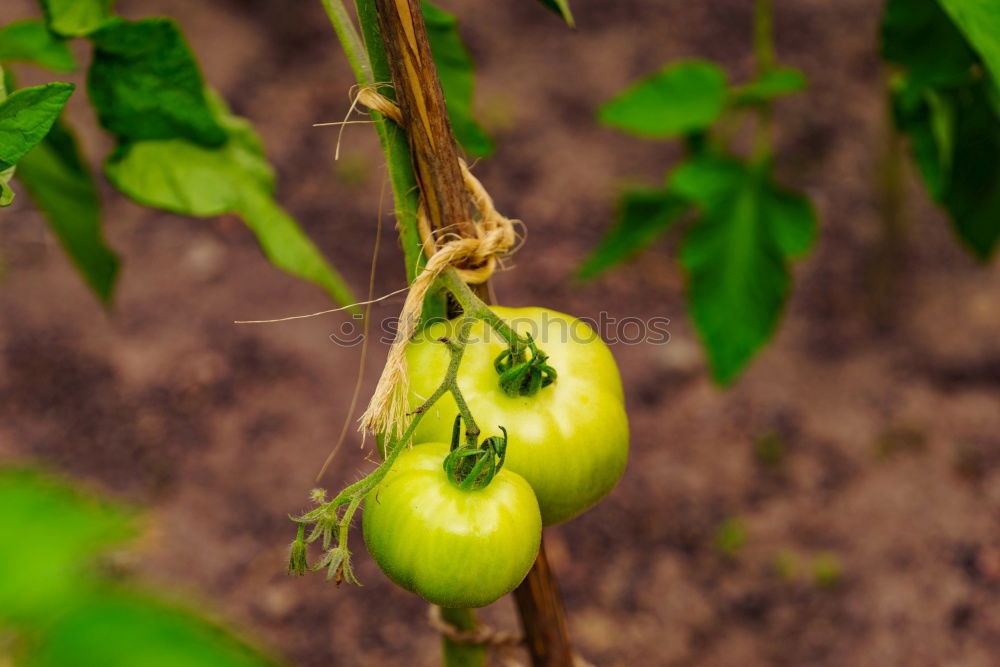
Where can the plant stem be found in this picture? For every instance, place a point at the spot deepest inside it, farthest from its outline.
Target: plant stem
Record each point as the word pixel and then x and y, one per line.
pixel 763 46
pixel 888 257
pixel 395 38
pixel 763 34
pixel 368 61
pixel 349 40
pixel 456 654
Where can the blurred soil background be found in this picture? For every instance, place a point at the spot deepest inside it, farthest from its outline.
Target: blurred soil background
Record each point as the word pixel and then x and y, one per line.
pixel 840 505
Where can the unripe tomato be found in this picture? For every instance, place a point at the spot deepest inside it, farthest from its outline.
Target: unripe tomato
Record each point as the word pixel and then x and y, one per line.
pixel 569 440
pixel 453 547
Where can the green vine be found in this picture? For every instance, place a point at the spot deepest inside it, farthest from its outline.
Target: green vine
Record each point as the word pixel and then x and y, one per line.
pixel 330 523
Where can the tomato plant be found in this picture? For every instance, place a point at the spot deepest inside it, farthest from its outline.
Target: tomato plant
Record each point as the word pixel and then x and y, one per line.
pixel 453 546
pixel 570 439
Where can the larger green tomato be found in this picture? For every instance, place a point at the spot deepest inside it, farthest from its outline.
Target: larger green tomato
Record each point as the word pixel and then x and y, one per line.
pixel 569 440
pixel 453 547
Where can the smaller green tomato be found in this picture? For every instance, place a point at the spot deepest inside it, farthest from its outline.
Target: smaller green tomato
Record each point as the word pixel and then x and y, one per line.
pixel 453 547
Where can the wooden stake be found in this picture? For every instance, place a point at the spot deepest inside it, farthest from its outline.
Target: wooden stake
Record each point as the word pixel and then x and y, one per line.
pixel 435 159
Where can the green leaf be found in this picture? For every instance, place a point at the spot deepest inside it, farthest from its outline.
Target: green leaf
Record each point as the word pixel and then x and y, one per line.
pixel 955 137
pixel 125 629
pixel 918 36
pixel 30 41
pixel 927 117
pixel 736 256
pixel 49 534
pixel 6 194
pixel 643 215
pixel 680 98
pixel 456 71
pixel 26 116
pixel 185 178
pixel 145 84
pixel 62 187
pixel 947 107
pixel 768 85
pixel 76 18
pixel 560 7
pixel 979 21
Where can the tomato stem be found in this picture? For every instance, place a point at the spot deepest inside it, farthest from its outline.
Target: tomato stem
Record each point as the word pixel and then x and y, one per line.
pixel 519 374
pixel 332 525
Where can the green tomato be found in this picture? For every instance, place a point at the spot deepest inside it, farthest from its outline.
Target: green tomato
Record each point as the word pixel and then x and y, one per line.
pixel 569 440
pixel 453 547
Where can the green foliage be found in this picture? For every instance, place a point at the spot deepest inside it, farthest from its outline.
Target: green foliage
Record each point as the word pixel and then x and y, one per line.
pixel 770 84
pixel 183 177
pixel 680 98
pixel 643 215
pixel 26 116
pixel 76 18
pixel 29 41
pixel 736 255
pixel 145 84
pixel 918 36
pixel 730 537
pixel 49 536
pixel 6 194
pixel 979 21
pixel 560 7
pixel 125 628
pixel 147 90
pixel 945 103
pixel 62 187
pixel 737 251
pixel 58 610
pixel 457 74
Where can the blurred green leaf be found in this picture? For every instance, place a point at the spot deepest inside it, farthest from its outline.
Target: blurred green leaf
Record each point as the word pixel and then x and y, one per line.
pixel 918 36
pixel 49 534
pixel 457 74
pixel 560 7
pixel 643 214
pixel 30 41
pixel 124 629
pixel 6 194
pixel 956 142
pixel 75 18
pixel 979 21
pixel 927 117
pixel 736 255
pixel 26 116
pixel 62 187
pixel 768 85
pixel 145 84
pixel 680 98
pixel 946 105
pixel 182 177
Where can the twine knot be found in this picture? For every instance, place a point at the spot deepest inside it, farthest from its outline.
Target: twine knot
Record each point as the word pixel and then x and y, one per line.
pixel 475 259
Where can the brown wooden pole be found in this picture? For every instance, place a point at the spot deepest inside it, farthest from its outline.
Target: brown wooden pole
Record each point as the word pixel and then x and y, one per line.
pixel 543 617
pixel 435 160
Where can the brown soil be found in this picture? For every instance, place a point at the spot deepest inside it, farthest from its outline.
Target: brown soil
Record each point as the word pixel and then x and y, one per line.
pixel 867 434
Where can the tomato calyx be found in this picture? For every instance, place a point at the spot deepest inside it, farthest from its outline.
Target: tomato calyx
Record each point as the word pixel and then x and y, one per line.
pixel 473 466
pixel 521 375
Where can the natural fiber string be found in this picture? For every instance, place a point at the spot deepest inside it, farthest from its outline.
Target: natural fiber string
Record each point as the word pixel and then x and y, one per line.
pixel 474 259
pixel 482 635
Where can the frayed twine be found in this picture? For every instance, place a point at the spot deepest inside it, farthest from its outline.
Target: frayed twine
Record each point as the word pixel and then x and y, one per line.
pixel 474 259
